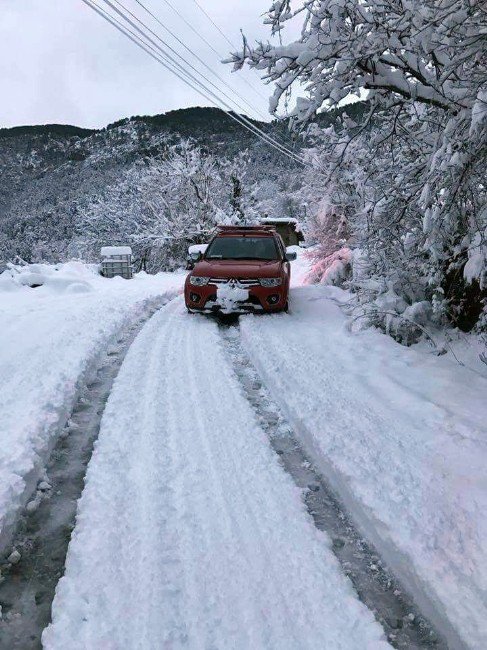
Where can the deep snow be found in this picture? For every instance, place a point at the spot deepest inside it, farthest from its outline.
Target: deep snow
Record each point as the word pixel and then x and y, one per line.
pixel 50 338
pixel 189 533
pixel 401 434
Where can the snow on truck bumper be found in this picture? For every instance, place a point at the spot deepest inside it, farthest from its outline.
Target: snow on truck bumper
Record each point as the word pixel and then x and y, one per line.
pixel 212 298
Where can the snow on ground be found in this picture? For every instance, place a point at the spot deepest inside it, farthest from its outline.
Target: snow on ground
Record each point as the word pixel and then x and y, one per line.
pixel 401 434
pixel 50 338
pixel 189 533
pixel 300 267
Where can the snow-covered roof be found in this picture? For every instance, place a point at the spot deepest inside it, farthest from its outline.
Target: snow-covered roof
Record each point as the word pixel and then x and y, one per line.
pixel 106 251
pixel 279 220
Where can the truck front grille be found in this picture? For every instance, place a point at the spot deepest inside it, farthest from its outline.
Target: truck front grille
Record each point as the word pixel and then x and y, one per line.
pixel 243 282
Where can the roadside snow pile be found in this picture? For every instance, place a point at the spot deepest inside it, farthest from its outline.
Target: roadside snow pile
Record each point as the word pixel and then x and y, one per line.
pixel 51 338
pixel 189 533
pixel 401 435
pixel 71 277
pixel 300 266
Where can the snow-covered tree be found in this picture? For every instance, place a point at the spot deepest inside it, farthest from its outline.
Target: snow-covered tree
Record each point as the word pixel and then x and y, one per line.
pixel 418 158
pixel 161 205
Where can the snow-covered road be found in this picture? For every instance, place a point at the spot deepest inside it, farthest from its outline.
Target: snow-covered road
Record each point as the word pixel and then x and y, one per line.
pixel 401 435
pixel 51 337
pixel 189 532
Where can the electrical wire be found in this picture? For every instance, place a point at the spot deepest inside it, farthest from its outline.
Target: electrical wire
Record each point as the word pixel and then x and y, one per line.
pixel 269 138
pixel 228 40
pixel 205 65
pixel 161 57
pixel 214 24
pixel 285 142
pixel 212 47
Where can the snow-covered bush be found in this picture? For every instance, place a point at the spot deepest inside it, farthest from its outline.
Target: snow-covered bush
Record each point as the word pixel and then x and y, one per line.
pixel 411 173
pixel 331 257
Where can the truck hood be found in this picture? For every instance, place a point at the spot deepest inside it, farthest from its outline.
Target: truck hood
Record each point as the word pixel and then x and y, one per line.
pixel 238 268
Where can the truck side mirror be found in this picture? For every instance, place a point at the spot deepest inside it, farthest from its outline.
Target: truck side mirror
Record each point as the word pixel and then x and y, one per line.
pixel 290 255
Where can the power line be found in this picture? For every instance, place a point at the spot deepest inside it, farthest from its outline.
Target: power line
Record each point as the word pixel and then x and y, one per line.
pixel 214 24
pixel 183 75
pixel 134 37
pixel 283 147
pixel 228 40
pixel 188 49
pixel 193 29
pixel 212 48
pixel 284 141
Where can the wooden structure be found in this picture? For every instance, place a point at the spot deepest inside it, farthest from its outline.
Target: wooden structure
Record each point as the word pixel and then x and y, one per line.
pixel 116 260
pixel 286 227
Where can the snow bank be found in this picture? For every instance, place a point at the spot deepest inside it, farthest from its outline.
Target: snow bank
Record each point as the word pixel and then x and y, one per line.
pixel 401 435
pixel 300 266
pixel 72 277
pixel 189 533
pixel 50 339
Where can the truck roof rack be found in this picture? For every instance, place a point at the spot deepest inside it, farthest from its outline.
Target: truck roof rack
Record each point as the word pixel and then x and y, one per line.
pixel 257 226
pixel 247 229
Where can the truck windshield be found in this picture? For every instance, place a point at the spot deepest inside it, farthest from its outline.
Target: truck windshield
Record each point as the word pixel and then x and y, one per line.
pixel 242 248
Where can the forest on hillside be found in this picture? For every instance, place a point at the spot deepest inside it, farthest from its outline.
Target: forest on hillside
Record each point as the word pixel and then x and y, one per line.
pixel 391 191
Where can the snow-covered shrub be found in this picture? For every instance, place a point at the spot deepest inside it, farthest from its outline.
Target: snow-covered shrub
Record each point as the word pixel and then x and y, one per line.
pixel 333 269
pixel 331 258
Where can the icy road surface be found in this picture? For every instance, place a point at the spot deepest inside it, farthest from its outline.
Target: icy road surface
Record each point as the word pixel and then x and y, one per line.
pixel 401 436
pixel 189 532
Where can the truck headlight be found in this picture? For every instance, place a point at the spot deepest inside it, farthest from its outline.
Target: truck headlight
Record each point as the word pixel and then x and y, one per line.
pixel 198 281
pixel 270 282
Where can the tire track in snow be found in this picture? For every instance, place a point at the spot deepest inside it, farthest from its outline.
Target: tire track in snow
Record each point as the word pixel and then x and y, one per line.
pixel 189 533
pixel 154 583
pixel 225 481
pixel 214 448
pixel 42 536
pixel 374 583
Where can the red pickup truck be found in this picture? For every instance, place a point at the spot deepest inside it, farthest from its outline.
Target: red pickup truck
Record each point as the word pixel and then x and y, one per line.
pixel 243 269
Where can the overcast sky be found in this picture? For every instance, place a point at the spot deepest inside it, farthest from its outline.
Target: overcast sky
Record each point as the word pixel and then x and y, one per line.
pixel 62 63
